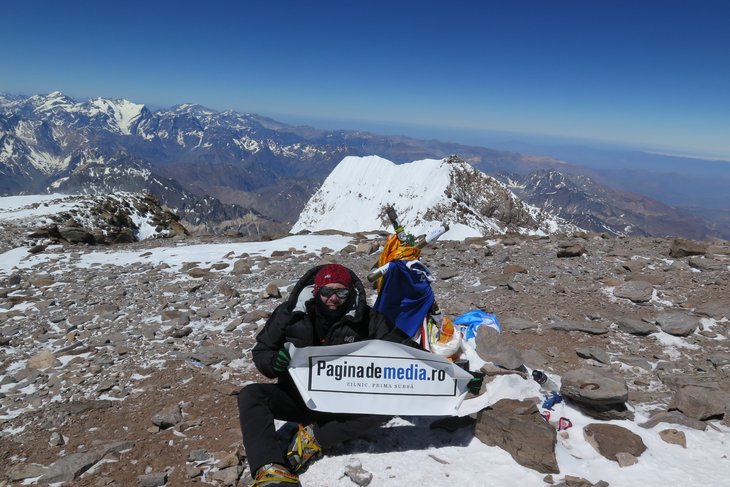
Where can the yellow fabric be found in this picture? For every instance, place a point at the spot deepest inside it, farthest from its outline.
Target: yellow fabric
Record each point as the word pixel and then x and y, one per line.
pixel 395 250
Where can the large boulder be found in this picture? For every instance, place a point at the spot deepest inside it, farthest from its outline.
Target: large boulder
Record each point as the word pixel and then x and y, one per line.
pixel 636 327
pixel 636 291
pixel 70 467
pixel 681 247
pixel 76 235
pixel 677 324
pixel 490 347
pixel 699 402
pixel 518 428
pixel 610 440
pixel 585 326
pixel 596 393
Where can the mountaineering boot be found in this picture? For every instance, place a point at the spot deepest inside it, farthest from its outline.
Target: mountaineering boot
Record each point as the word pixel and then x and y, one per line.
pixel 303 448
pixel 275 475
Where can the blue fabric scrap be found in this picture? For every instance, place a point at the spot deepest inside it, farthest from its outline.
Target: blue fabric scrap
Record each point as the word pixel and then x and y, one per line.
pixel 471 320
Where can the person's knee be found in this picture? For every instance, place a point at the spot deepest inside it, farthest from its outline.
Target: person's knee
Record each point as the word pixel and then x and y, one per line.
pixel 248 396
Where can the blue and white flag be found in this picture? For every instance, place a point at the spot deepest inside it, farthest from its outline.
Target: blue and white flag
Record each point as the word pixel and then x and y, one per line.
pixel 406 295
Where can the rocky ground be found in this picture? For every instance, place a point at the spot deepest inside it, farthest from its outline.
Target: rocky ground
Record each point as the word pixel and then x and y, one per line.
pixel 127 375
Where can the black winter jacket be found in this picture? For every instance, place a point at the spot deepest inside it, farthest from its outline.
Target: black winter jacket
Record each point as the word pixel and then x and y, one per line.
pixel 292 321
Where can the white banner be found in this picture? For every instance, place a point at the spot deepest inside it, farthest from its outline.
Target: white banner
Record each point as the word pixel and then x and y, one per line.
pixel 377 377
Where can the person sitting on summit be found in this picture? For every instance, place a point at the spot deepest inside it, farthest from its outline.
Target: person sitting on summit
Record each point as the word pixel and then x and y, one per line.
pixel 326 307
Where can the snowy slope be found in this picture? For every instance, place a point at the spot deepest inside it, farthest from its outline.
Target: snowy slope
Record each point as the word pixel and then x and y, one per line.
pixel 424 193
pixel 406 452
pixel 35 211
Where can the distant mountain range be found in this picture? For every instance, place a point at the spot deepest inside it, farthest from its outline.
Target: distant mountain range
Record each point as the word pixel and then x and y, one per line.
pixel 228 171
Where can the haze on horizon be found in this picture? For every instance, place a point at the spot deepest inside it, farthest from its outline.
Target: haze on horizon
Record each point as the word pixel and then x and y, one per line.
pixel 653 75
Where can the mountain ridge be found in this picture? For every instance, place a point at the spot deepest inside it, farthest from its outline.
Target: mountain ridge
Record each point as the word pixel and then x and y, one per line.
pixel 246 159
pixel 425 193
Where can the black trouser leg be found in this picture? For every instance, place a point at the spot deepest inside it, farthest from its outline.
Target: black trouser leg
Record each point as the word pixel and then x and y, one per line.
pixel 258 406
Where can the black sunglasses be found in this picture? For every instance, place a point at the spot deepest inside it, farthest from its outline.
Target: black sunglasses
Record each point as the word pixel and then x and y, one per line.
pixel 328 291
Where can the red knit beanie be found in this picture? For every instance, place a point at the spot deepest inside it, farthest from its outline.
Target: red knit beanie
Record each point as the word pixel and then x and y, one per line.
pixel 332 273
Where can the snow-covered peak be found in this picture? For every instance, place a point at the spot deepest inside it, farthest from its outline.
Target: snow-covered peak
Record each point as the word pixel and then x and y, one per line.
pixel 123 113
pixel 53 101
pixel 194 110
pixel 424 193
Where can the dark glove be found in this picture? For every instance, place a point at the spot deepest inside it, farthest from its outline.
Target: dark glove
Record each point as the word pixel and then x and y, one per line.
pixel 281 361
pixel 475 384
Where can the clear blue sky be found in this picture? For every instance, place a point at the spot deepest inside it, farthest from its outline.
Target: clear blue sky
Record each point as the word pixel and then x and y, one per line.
pixel 655 73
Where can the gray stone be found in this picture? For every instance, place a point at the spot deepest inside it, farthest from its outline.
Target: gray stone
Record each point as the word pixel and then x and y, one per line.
pixel 25 471
pixel 699 402
pixel 636 327
pixel 611 439
pixel 241 266
pixel 491 349
pixel 636 362
pixel 674 417
pixel 357 474
pixel 76 320
pixel 181 332
pixel 41 360
pixel 85 405
pixel 683 379
pixel 518 428
pixel 233 324
pixel 199 273
pixel 76 235
pixel 655 279
pixel 636 291
pixel 719 359
pixel 677 324
pixel 191 471
pixel 717 309
pixel 446 274
pixel 199 455
pixel 534 359
pixel 626 459
pixel 157 479
pixel 595 353
pixel 182 320
pixel 168 417
pixel 596 393
pixel 705 264
pixel 514 269
pixel 14 280
pixel 228 476
pixel 68 468
pixel 592 386
pixel 574 481
pixel 591 327
pixel 214 354
pixel 570 250
pixel 171 314
pixel 56 439
pixel 674 437
pixel 681 247
pixel 509 324
pixel 367 247
pixel 226 459
pixel 271 291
